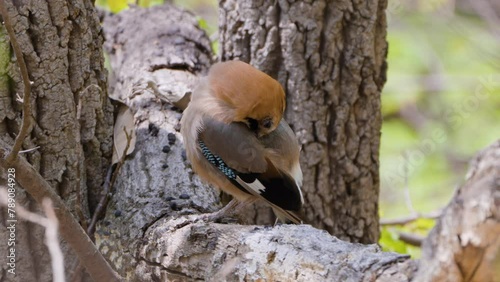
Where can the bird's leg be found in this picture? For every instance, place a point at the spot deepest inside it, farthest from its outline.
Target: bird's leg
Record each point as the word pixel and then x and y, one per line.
pixel 233 207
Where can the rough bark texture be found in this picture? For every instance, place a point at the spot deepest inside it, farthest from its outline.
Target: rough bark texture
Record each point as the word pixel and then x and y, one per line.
pixel 147 233
pixel 178 251
pixel 154 186
pixel 62 46
pixel 330 57
pixel 465 244
pixel 155 55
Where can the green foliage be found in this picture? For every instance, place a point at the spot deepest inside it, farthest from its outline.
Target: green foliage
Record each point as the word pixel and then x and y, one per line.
pixel 209 28
pixel 206 12
pixel 389 236
pixel 116 6
pixel 389 240
pixel 441 104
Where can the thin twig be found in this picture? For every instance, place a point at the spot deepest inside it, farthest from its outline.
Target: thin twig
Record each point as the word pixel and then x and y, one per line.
pixel 51 225
pixel 409 219
pixel 101 206
pixel 411 239
pixel 103 202
pixel 26 121
pixel 21 211
pixel 70 230
pixel 108 185
pixel 52 241
pixel 29 150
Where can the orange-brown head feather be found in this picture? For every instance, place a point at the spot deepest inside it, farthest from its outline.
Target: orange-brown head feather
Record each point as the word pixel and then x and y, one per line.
pixel 251 93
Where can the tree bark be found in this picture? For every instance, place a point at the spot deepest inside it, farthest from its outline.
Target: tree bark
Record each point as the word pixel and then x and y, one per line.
pixel 465 244
pixel 147 233
pixel 150 232
pixel 72 117
pixel 180 251
pixel 330 58
pixel 155 55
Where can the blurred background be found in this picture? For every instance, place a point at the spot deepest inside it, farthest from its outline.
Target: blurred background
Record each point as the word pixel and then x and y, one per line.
pixel 440 105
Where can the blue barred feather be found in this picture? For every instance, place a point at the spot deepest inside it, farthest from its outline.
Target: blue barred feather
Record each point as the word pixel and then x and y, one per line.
pixel 217 161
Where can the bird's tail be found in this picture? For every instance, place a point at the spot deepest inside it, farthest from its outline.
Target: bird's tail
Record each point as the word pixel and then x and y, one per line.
pixel 287 216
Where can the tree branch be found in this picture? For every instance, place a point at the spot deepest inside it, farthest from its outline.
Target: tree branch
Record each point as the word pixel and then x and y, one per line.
pixel 411 218
pixel 70 230
pixel 52 241
pixel 50 223
pixel 411 239
pixel 108 186
pixel 26 122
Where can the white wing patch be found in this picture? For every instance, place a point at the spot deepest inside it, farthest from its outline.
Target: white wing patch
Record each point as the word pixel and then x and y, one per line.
pixel 256 187
pixel 297 175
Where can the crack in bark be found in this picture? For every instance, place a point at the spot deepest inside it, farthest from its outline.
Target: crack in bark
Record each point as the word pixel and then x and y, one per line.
pixel 168 270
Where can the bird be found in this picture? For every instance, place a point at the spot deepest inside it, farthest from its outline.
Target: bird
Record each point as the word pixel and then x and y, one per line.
pixel 236 139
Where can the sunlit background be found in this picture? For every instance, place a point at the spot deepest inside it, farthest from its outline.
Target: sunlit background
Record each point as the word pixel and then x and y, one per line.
pixel 440 105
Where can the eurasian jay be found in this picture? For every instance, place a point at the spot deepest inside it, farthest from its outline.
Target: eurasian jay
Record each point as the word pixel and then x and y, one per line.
pixel 236 139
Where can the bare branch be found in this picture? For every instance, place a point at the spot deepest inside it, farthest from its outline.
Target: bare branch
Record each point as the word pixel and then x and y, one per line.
pixel 101 207
pixel 52 241
pixel 411 239
pixel 108 185
pixel 51 225
pixel 21 211
pixel 410 218
pixel 26 122
pixel 71 231
pixel 29 150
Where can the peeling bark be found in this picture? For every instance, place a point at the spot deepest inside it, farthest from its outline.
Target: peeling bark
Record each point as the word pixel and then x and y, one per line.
pixel 330 57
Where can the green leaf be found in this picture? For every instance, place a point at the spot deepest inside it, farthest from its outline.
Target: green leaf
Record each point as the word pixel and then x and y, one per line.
pixel 390 242
pixel 116 6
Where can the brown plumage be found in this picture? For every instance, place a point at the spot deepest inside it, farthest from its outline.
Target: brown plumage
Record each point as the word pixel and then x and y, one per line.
pixel 236 139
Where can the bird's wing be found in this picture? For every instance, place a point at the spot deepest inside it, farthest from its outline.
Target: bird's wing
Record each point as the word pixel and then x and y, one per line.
pixel 235 144
pixel 237 153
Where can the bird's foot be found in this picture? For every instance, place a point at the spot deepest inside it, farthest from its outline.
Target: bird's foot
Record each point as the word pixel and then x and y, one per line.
pixel 218 217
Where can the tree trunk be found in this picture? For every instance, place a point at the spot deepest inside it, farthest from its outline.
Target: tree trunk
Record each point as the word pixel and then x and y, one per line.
pixel 155 55
pixel 146 214
pixel 147 233
pixel 330 57
pixel 61 43
pixel 156 188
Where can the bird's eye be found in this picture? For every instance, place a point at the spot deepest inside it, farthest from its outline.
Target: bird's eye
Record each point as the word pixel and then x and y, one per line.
pixel 252 124
pixel 267 123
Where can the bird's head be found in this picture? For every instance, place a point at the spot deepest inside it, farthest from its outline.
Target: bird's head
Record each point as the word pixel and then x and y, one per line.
pixel 252 97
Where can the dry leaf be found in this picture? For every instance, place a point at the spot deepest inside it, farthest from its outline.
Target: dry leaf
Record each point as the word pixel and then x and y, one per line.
pixel 124 119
